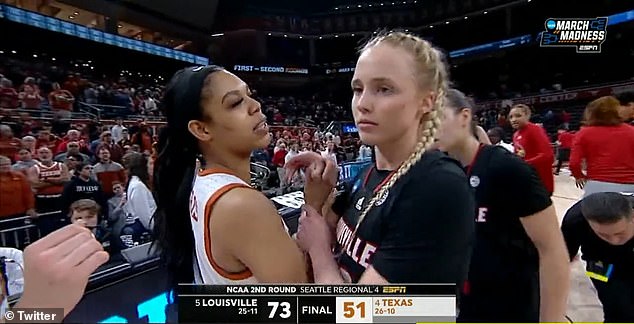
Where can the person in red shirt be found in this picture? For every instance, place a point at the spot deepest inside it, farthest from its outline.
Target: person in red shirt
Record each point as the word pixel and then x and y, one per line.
pixel 606 143
pixel 278 160
pixel 45 138
pixel 565 118
pixel 16 197
pixel 71 136
pixel 9 145
pixel 564 143
pixel 531 143
pixel 8 95
pixel 30 98
pixel 61 101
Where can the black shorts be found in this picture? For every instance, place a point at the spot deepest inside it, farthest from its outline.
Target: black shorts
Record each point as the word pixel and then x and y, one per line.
pixel 514 301
pixel 563 154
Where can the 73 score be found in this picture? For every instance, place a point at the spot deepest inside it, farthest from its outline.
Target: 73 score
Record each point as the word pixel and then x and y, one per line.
pixel 280 309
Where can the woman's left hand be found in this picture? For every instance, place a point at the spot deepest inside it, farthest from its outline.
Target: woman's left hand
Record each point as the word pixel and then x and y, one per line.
pixel 321 176
pixel 313 231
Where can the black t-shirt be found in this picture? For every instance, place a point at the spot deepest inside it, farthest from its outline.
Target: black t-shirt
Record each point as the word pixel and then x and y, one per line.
pixel 421 231
pixel 610 267
pixel 506 190
pixel 578 234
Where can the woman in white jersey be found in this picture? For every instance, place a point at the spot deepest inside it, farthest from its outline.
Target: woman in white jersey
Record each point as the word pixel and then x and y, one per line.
pixel 214 228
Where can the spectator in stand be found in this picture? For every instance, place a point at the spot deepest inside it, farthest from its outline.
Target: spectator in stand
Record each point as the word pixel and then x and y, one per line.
pixel 72 148
pixel 16 197
pixel 83 186
pixel 140 202
pixel 365 153
pixel 496 136
pixel 29 82
pixel 606 143
pixel 116 152
pixel 125 139
pixel 9 145
pixel 565 119
pixel 143 138
pixel 61 101
pixel 626 107
pixel 297 181
pixel 117 130
pixel 45 138
pixel 329 152
pixel 278 161
pixel 71 162
pixel 47 179
pixel 8 96
pixel 564 144
pixel 24 162
pixel 531 144
pixel 28 142
pixel 108 172
pixel 91 95
pixel 116 210
pixel 30 98
pixel 72 135
pixel 86 212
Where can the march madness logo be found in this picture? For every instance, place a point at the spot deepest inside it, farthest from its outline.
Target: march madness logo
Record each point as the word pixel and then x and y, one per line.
pixel 586 34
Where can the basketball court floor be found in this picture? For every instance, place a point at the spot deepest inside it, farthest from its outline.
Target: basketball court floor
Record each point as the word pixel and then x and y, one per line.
pixel 583 304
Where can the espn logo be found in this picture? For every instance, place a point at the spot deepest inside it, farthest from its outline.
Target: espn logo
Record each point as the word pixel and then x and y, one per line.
pixel 394 289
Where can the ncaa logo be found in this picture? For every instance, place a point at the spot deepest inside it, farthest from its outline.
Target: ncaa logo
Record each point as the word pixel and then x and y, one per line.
pixel 382 199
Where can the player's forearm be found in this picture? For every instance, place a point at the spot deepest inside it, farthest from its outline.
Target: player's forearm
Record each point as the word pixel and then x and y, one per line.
pixel 554 275
pixel 325 267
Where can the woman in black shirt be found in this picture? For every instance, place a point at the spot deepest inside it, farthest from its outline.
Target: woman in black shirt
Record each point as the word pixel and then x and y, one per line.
pixel 409 217
pixel 518 243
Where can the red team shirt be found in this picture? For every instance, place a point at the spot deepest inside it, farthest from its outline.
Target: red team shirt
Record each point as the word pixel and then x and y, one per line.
pixel 532 139
pixel 608 151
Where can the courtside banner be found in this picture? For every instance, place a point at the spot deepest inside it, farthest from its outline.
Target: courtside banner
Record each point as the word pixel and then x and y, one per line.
pixel 411 303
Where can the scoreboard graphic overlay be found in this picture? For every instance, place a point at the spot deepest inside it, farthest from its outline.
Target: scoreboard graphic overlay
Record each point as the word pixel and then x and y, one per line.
pixel 317 303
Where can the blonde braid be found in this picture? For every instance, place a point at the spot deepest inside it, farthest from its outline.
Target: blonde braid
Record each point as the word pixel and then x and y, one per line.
pixel 427 56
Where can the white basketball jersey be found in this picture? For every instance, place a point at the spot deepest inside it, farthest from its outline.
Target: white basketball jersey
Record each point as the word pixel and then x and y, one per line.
pixel 209 186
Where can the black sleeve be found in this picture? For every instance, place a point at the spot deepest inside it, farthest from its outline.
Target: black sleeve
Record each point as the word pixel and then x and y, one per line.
pixel 516 186
pixel 572 229
pixel 344 199
pixel 102 201
pixel 68 197
pixel 430 229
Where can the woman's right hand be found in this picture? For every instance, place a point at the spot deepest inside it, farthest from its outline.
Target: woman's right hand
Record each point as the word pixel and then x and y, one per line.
pixel 321 176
